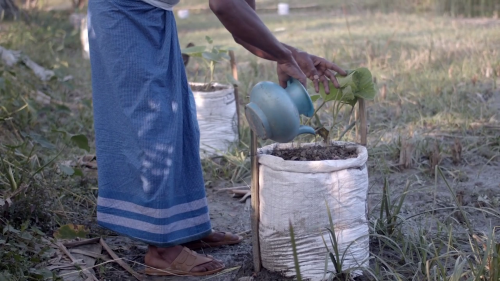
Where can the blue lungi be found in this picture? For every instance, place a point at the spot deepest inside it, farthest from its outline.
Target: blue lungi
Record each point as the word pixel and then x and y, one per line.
pixel 151 184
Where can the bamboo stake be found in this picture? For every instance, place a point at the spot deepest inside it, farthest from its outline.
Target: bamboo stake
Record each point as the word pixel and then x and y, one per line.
pixel 255 203
pixel 363 128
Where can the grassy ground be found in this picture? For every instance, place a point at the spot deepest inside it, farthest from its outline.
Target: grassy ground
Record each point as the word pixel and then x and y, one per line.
pixel 438 90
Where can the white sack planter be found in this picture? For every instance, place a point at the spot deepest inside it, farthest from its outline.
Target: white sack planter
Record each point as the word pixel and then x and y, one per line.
pixel 217 119
pixel 183 14
pixel 84 38
pixel 283 9
pixel 296 191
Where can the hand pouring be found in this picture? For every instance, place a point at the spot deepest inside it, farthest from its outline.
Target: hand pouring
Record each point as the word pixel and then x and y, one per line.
pixel 274 113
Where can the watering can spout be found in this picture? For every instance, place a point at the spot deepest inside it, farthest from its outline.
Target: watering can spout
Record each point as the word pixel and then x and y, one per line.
pixel 306 130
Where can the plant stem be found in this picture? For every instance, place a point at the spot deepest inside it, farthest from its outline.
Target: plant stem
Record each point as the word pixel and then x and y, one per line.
pixel 338 106
pixel 315 112
pixel 347 129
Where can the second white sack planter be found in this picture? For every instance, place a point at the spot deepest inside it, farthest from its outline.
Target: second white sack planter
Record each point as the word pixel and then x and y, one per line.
pixel 84 38
pixel 296 191
pixel 217 119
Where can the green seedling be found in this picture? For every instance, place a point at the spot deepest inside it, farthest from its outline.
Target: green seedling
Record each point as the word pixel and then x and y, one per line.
pixel 211 55
pixel 357 84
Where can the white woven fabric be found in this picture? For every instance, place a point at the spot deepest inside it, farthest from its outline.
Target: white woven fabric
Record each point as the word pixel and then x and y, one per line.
pixel 297 192
pixel 217 119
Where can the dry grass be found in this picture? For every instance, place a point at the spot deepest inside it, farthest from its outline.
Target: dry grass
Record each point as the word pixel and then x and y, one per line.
pixel 433 128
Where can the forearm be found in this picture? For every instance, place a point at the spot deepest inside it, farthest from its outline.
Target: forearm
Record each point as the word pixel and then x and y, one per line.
pixel 251 3
pixel 254 50
pixel 245 26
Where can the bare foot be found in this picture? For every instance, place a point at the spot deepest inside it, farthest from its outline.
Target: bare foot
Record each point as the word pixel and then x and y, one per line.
pixel 219 237
pixel 162 258
pixel 215 239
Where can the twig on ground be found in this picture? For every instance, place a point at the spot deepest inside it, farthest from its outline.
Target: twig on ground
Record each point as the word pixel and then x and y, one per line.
pixel 231 188
pixel 245 197
pixel 67 253
pixel 240 192
pixel 90 254
pixel 119 261
pixel 82 242
pixel 244 232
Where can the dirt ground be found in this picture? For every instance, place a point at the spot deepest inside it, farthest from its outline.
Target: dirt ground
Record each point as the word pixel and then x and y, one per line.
pixel 479 184
pixel 474 182
pixel 227 214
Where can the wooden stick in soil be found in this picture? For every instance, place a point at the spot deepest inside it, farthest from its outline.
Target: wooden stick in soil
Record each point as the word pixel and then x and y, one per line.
pixel 255 202
pixel 231 188
pixel 84 270
pixel 363 128
pixel 82 242
pixel 234 69
pixel 120 261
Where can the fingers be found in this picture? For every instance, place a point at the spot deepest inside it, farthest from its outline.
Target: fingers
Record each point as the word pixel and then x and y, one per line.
pixel 295 72
pixel 315 77
pixel 332 78
pixel 327 65
pixel 285 72
pixel 302 79
pixel 334 67
pixel 282 77
pixel 326 84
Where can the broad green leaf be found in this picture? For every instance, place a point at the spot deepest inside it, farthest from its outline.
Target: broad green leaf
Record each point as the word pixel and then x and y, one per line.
pixel 41 141
pixel 336 94
pixel 225 56
pixel 42 274
pixel 61 132
pixel 347 80
pixel 10 228
pixel 81 141
pixel 364 82
pixel 77 172
pixel 224 48
pixel 347 93
pixel 209 40
pixel 315 98
pixel 71 231
pixel 194 51
pixel 356 84
pixel 66 170
pixel 211 56
pixel 333 92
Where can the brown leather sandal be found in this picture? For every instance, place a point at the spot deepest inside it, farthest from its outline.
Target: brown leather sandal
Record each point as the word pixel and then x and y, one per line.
pixel 183 264
pixel 199 244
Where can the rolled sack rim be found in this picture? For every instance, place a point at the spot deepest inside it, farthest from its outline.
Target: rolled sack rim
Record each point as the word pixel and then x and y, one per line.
pixel 321 166
pixel 228 89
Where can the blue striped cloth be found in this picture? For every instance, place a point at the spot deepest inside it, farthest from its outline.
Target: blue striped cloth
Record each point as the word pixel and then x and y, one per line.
pixel 151 184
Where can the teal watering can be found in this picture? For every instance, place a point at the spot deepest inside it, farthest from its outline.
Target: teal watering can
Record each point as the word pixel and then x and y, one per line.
pixel 274 113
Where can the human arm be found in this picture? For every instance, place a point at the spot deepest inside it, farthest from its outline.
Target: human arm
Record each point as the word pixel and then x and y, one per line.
pixel 312 66
pixel 242 22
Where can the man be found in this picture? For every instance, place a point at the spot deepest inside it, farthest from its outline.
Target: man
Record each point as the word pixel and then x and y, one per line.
pixel 151 186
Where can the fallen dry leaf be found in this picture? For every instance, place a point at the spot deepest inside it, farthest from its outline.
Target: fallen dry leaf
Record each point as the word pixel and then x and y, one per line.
pixel 71 231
